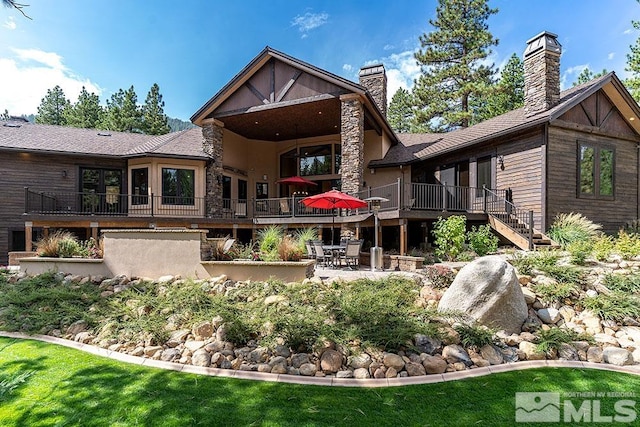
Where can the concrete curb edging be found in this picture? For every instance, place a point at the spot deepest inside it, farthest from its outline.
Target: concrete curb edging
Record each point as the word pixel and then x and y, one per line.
pixel 323 381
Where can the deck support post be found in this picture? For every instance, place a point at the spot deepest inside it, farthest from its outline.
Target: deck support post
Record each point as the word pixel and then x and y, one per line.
pixel 531 230
pixel 28 236
pixel 403 237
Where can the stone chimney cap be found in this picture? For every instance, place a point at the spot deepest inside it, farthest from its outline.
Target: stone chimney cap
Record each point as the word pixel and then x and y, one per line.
pixel 543 41
pixel 371 69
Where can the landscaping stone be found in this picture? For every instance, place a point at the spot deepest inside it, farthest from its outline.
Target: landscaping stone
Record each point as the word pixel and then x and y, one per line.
pixel 567 352
pixel 491 354
pixel 77 327
pixel 362 360
pixel 394 361
pixel 531 352
pixel 617 356
pixel 529 296
pixel 426 344
pixel 203 330
pixel 308 369
pixel 299 359
pixel 415 369
pixel 434 364
pixel 170 355
pixel 361 373
pixel 455 353
pixel 201 357
pixel 331 361
pixel 344 374
pixel 488 290
pixel 549 315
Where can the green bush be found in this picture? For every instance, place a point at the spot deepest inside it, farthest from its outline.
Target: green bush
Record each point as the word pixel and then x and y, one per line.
pixel 572 227
pixel 550 292
pixel 579 251
pixel 482 240
pixel 303 235
pixel 627 245
pixel 602 247
pixel 614 306
pixel 551 339
pixel 269 239
pixel 62 244
pixel 527 262
pixel 474 336
pixel 623 283
pixel 450 236
pixel 565 273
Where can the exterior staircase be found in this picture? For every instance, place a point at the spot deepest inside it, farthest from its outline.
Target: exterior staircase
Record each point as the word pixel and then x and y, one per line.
pixel 515 224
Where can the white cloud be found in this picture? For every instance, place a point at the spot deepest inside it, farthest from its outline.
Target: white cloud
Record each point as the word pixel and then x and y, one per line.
pixel 347 67
pixel 571 74
pixel 10 23
pixel 628 31
pixel 402 70
pixel 611 55
pixel 28 75
pixel 309 21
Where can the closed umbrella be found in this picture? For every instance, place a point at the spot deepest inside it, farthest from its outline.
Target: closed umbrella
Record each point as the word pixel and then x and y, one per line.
pixel 331 200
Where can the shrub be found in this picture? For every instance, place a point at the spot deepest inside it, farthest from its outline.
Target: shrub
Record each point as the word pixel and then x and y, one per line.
pixel 303 235
pixel 450 236
pixel 242 251
pixel 623 283
pixel 627 245
pixel 552 338
pixel 632 227
pixel 482 240
pixel 474 336
pixel 289 249
pixel 440 276
pixel 579 251
pixel 565 273
pixel 572 227
pixel 526 263
pixel 268 241
pixel 62 244
pixel 550 292
pixel 614 306
pixel 602 246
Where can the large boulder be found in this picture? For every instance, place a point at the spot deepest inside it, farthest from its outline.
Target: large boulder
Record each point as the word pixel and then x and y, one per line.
pixel 488 290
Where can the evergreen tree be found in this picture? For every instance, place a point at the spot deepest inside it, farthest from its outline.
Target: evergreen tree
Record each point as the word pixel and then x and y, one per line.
pixel 587 75
pixel 506 96
pixel 452 58
pixel 122 113
pixel 633 65
pixel 86 113
pixel 5 115
pixel 401 111
pixel 51 110
pixel 153 118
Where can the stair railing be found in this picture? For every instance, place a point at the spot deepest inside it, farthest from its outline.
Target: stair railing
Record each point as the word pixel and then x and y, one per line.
pixel 504 210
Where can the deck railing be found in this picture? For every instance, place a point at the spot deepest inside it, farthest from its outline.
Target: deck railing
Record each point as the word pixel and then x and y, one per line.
pixel 519 220
pixel 412 196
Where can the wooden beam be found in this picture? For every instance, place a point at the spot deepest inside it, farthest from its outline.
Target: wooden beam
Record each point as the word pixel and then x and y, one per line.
pixel 28 236
pixel 257 93
pixel 272 94
pixel 403 236
pixel 288 86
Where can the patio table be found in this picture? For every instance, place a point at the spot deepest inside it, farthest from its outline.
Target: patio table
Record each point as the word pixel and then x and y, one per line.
pixel 335 253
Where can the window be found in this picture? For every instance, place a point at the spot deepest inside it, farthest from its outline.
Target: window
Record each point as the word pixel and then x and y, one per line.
pixel 315 160
pixel 140 186
pixel 226 192
pixel 484 173
pixel 178 186
pixel 595 171
pixel 101 189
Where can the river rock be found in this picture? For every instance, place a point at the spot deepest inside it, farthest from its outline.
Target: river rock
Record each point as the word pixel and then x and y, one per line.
pixel 617 356
pixel 488 290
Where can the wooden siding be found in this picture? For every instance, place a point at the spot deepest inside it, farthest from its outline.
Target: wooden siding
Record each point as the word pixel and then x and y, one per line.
pixel 40 173
pixel 599 112
pixel 562 181
pixel 522 173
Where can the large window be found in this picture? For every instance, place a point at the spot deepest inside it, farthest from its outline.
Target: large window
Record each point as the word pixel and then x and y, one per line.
pixel 484 173
pixel 315 160
pixel 595 171
pixel 178 186
pixel 139 186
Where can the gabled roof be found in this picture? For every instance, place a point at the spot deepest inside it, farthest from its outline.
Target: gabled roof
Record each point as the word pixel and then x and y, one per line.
pixel 31 137
pixel 417 147
pixel 261 59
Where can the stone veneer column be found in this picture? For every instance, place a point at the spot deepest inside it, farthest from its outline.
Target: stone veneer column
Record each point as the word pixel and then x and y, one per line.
pixel 352 139
pixel 212 147
pixel 541 73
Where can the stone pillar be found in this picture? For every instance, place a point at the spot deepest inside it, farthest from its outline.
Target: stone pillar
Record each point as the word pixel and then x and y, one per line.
pixel 352 139
pixel 541 73
pixel 212 147
pixel 374 79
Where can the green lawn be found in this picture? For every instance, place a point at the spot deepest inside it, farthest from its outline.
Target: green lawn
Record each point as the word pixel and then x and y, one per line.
pixel 72 388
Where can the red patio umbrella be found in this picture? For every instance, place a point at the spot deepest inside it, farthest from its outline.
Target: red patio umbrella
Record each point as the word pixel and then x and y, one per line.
pixel 333 199
pixel 296 180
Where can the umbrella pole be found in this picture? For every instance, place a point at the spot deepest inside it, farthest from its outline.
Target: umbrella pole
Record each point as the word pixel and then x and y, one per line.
pixel 333 223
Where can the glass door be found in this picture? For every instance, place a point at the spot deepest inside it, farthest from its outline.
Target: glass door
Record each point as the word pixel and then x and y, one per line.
pixel 101 190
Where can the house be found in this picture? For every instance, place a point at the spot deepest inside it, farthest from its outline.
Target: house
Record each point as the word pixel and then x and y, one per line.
pixel 280 117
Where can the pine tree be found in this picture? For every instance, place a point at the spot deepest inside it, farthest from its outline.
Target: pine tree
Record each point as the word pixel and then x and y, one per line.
pixel 506 96
pixel 86 113
pixel 5 115
pixel 633 65
pixel 122 113
pixel 453 61
pixel 400 113
pixel 51 110
pixel 153 118
pixel 587 75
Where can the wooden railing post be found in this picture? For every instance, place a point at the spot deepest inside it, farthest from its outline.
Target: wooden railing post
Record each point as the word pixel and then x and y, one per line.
pixel 484 198
pixel 444 196
pixel 400 193
pixel 153 202
pixel 530 230
pixel 292 208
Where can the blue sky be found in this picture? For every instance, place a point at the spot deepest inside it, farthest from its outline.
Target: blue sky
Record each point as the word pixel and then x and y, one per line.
pixel 192 48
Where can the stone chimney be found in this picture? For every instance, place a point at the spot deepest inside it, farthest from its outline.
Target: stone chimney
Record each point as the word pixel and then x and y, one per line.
pixel 541 73
pixel 374 79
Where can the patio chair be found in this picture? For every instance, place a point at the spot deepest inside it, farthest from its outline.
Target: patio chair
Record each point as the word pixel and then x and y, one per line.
pixel 322 258
pixel 284 207
pixel 352 253
pixel 311 254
